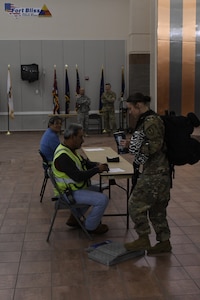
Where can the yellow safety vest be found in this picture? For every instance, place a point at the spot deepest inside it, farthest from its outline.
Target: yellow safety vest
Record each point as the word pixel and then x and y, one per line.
pixel 62 179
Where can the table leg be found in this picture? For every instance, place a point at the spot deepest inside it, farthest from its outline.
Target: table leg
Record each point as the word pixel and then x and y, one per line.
pixel 127 197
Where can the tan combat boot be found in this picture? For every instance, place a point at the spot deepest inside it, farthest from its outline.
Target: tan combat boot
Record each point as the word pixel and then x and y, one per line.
pixel 161 247
pixel 142 243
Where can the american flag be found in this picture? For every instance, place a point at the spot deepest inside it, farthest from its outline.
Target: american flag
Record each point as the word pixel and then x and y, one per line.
pixel 56 109
pixel 10 8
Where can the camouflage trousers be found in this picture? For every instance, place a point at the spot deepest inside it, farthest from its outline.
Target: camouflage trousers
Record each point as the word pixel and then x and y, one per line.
pixel 109 120
pixel 149 201
pixel 83 119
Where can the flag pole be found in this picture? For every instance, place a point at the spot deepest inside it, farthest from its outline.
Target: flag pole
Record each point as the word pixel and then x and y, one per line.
pixel 8 131
pixel 8 117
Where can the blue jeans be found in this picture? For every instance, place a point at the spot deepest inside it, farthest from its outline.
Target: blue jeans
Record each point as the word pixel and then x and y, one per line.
pixel 98 202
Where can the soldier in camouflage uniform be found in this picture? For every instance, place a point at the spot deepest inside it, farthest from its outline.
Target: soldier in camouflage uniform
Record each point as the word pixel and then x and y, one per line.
pixel 108 99
pixel 151 191
pixel 83 107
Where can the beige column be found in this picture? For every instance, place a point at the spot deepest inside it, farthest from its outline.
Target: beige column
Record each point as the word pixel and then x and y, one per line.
pixel 142 36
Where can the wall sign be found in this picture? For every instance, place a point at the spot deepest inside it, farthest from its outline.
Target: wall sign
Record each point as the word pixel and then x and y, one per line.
pixel 16 12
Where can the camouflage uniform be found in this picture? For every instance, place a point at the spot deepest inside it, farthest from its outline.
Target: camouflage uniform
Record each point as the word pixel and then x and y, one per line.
pixel 151 193
pixel 108 109
pixel 83 107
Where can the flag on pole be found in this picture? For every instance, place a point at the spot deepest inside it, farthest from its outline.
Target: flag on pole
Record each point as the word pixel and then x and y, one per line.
pixel 101 89
pixel 77 81
pixel 10 95
pixel 56 109
pixel 77 85
pixel 122 83
pixel 67 92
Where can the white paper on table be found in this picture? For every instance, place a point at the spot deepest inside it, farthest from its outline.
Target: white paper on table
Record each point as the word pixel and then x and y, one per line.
pixel 116 170
pixel 93 149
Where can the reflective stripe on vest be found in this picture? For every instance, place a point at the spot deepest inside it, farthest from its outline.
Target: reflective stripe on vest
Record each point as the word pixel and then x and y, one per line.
pixel 65 180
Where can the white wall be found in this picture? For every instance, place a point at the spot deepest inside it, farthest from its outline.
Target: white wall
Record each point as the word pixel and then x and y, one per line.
pixel 142 37
pixel 67 34
pixel 71 20
pixel 139 26
pixel 78 21
pixel 33 102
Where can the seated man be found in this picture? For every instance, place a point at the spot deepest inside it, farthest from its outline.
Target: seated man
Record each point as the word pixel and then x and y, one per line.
pixel 73 172
pixel 50 139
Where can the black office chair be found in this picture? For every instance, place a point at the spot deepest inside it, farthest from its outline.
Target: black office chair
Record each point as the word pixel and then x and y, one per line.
pixel 95 122
pixel 46 165
pixel 66 201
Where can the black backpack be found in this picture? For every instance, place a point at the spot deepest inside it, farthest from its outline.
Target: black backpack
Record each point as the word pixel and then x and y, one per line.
pixel 182 148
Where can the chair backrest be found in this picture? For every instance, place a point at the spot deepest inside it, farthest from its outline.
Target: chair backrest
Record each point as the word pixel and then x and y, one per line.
pixel 94 116
pixel 64 196
pixel 53 180
pixel 95 120
pixel 45 162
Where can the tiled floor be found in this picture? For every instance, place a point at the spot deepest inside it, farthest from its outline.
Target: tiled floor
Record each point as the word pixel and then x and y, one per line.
pixel 32 269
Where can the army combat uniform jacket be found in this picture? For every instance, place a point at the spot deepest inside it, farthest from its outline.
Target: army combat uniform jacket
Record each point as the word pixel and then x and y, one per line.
pixel 147 144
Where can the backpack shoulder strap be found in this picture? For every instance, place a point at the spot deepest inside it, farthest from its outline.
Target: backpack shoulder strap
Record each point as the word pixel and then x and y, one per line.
pixel 143 117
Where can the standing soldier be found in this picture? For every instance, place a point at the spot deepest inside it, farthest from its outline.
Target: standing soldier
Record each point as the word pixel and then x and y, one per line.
pixel 83 107
pixel 108 99
pixel 151 179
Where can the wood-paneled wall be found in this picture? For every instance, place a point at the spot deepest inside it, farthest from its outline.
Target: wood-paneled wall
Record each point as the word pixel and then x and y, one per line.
pixel 178 68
